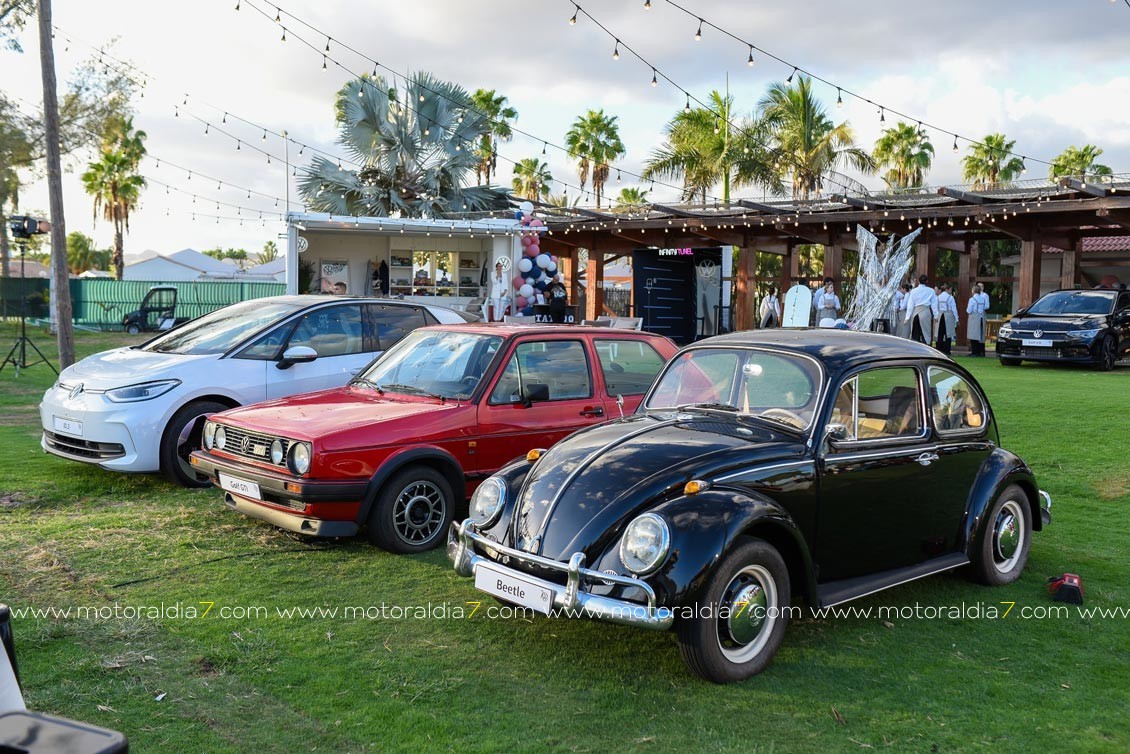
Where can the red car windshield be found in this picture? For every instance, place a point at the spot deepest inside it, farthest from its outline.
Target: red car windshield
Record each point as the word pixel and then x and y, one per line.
pixel 442 364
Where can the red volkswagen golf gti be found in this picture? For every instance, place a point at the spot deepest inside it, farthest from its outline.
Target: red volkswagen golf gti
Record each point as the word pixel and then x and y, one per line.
pixel 410 437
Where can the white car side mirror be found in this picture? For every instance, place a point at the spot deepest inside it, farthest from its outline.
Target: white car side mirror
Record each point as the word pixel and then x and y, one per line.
pixel 297 355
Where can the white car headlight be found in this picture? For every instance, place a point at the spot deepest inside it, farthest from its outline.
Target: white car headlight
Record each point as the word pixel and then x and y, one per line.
pixel 143 391
pixel 277 452
pixel 645 543
pixel 209 435
pixel 298 458
pixel 221 438
pixel 486 503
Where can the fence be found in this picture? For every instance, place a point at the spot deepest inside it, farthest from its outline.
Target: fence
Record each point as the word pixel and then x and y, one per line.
pixel 101 303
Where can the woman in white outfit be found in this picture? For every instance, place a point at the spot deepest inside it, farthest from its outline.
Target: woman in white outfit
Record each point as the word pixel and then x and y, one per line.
pixel 499 292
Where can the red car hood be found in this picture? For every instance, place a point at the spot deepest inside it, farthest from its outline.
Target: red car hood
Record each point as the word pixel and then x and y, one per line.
pixel 349 417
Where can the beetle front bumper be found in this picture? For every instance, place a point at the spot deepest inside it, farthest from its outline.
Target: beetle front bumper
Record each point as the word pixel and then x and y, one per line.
pixel 1045 508
pixel 571 600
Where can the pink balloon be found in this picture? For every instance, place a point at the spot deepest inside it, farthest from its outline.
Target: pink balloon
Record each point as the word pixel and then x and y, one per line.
pixel 530 251
pixel 526 240
pixel 536 222
pixel 526 220
pixel 535 248
pixel 553 258
pixel 518 281
pixel 520 302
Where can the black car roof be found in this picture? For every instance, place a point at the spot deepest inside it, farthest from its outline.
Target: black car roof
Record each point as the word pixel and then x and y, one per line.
pixel 836 349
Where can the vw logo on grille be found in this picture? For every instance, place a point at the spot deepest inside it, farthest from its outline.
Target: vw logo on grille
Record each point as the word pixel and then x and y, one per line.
pixel 245 445
pixel 1038 333
pixel 76 390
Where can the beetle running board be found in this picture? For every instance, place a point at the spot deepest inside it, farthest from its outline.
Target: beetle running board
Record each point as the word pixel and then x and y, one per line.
pixel 845 590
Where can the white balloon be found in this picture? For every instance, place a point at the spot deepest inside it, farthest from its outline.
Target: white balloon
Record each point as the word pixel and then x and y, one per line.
pixel 526 290
pixel 527 208
pixel 543 260
pixel 525 264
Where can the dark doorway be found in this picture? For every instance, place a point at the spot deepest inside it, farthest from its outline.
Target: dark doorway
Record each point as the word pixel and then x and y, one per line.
pixel 677 291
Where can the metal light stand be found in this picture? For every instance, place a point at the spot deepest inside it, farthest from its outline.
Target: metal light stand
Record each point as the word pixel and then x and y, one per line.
pixel 17 356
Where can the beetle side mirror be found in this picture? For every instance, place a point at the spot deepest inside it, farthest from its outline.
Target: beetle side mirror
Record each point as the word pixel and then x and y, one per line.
pixel 534 391
pixel 836 432
pixel 296 355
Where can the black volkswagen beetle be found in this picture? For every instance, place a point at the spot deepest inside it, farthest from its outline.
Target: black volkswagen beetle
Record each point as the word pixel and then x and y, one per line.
pixel 760 467
pixel 1082 326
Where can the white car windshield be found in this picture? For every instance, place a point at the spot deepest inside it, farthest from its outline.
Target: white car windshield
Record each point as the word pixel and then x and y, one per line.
pixel 1074 302
pixel 219 331
pixel 436 363
pixel 777 387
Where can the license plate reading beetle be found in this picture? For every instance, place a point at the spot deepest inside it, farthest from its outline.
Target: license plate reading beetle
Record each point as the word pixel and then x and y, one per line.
pixel 240 487
pixel 1036 343
pixel 513 588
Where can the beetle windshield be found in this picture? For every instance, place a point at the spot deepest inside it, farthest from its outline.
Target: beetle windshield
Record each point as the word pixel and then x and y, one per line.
pixel 438 363
pixel 774 386
pixel 217 332
pixel 1074 302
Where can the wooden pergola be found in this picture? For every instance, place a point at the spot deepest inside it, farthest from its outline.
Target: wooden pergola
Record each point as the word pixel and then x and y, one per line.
pixel 1038 213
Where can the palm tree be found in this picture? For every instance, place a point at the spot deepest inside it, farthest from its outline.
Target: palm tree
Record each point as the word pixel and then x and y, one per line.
pixel 594 140
pixel 416 157
pixel 1078 162
pixel 809 146
pixel 270 252
pixel 498 129
pixel 83 256
pixel 703 149
pixel 532 179
pixel 563 200
pixel 631 199
pixel 114 183
pixel 988 163
pixel 908 154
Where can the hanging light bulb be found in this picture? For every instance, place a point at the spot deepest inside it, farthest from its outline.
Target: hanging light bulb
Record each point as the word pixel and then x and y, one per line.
pixel 955 144
pixel 573 20
pixel 327 44
pixel 323 62
pixel 237 5
pixel 617 175
pixel 647 4
pixel 789 80
pixel 205 129
pixel 698 34
pixel 749 60
pixel 1023 165
pixel 421 96
pixel 882 115
pixel 839 97
pixel 278 15
pixel 654 80
pixel 687 107
pixel 544 145
pixel 237 145
pixel 284 34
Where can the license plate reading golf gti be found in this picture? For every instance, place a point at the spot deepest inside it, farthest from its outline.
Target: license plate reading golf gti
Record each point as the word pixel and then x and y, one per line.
pixel 240 487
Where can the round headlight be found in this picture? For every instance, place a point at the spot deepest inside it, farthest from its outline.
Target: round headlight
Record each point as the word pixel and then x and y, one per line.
pixel 221 437
pixel 209 435
pixel 299 458
pixel 486 503
pixel 276 452
pixel 645 544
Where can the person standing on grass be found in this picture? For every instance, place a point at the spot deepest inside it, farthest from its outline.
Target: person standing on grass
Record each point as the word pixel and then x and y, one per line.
pixel 947 317
pixel 770 312
pixel 921 311
pixel 826 302
pixel 975 326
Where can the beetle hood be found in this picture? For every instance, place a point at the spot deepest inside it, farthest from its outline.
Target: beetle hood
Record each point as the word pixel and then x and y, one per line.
pixel 582 492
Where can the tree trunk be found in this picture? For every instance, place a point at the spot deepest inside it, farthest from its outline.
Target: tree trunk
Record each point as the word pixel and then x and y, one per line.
pixel 5 248
pixel 119 260
pixel 61 301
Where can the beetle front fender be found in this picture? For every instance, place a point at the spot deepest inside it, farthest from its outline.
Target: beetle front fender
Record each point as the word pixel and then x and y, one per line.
pixel 999 470
pixel 703 529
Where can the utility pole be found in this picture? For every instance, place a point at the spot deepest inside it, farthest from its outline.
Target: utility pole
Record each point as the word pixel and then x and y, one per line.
pixel 61 300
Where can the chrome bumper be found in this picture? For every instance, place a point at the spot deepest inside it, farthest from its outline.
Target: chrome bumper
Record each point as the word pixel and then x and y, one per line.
pixel 1045 508
pixel 571 598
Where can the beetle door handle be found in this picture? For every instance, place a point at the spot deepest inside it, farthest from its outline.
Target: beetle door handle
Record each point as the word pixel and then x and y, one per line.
pixel 598 411
pixel 927 458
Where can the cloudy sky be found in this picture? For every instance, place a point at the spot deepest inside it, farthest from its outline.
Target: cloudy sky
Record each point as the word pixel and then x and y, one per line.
pixel 1047 73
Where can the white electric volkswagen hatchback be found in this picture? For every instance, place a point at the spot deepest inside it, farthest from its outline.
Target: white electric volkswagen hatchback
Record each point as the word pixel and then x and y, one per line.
pixel 141 408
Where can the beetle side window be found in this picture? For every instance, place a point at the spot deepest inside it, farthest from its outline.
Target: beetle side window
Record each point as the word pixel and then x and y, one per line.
pixel 560 364
pixel 333 331
pixel 957 407
pixel 879 404
pixel 629 366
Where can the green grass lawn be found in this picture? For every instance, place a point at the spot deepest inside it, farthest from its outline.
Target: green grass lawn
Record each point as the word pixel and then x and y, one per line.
pixel 233 681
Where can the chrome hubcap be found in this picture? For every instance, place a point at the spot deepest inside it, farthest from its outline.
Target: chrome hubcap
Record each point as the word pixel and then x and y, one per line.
pixel 750 600
pixel 418 512
pixel 1008 534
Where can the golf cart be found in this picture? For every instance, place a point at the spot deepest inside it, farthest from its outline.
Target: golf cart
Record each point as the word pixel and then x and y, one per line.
pixel 157 312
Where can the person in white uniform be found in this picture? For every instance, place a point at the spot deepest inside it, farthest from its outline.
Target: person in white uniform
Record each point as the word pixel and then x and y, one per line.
pixel 921 311
pixel 947 317
pixel 898 311
pixel 499 293
pixel 769 315
pixel 826 302
pixel 975 326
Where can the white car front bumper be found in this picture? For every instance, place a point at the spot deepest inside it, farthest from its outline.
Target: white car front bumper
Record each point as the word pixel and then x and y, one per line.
pixel 90 428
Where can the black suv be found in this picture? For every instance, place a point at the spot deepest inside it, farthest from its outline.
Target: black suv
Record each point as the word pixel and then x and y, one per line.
pixel 1082 326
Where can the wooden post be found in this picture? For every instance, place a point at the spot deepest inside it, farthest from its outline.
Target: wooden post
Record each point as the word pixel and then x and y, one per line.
pixel 745 307
pixel 594 293
pixel 1069 271
pixel 833 262
pixel 964 290
pixel 790 267
pixel 1031 262
pixel 925 257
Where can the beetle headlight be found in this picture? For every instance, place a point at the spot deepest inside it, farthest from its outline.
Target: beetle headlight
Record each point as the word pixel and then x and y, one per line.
pixel 221 437
pixel 141 392
pixel 645 543
pixel 298 459
pixel 277 452
pixel 209 435
pixel 486 503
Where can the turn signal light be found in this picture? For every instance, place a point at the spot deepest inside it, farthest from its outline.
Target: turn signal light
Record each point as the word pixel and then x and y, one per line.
pixel 695 486
pixel 292 487
pixel 534 455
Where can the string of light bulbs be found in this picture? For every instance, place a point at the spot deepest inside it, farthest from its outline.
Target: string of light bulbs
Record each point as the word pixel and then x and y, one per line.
pixel 326 53
pixel 840 89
